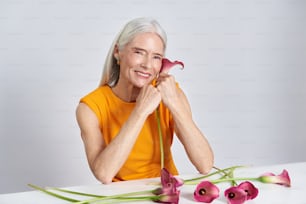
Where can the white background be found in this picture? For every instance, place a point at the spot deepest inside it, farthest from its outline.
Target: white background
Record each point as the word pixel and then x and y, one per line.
pixel 245 71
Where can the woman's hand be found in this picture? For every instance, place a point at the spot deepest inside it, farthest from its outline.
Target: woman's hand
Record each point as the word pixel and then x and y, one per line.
pixel 148 100
pixel 170 93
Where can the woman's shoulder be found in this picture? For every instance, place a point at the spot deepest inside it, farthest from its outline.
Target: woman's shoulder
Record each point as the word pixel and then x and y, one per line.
pixel 98 92
pixel 97 97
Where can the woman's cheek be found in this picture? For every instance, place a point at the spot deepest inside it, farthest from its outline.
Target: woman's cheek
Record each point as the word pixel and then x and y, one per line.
pixel 157 70
pixel 158 67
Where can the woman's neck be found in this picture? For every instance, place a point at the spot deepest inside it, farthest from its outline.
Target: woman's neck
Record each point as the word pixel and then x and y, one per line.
pixel 127 93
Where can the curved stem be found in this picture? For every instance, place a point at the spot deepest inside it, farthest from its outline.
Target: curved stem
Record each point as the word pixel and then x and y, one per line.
pixel 157 114
pixel 76 192
pixel 118 197
pixel 100 196
pixel 131 199
pixel 195 180
pixel 53 194
pixel 235 179
pixel 121 197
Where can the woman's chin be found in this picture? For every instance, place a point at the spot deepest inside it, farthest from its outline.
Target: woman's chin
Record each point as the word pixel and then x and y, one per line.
pixel 142 83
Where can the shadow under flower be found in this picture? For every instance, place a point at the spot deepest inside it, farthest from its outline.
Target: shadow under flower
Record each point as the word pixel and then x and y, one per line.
pixel 187 195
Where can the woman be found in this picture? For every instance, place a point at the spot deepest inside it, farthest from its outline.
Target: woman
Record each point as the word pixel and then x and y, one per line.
pixel 117 121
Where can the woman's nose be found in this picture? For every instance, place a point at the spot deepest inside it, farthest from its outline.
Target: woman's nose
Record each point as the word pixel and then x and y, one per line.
pixel 146 63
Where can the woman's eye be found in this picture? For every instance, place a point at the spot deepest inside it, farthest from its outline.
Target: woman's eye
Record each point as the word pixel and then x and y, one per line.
pixel 138 52
pixel 158 57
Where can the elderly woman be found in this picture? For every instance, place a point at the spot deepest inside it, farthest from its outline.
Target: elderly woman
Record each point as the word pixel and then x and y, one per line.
pixel 117 121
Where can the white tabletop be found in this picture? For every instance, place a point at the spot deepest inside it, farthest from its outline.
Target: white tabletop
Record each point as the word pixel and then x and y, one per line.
pixel 268 193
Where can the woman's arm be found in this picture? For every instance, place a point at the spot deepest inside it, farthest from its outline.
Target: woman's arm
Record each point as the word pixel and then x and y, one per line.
pixel 193 140
pixel 106 161
pixel 195 143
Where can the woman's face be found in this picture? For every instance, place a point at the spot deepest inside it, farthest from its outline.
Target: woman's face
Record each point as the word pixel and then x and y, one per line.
pixel 141 59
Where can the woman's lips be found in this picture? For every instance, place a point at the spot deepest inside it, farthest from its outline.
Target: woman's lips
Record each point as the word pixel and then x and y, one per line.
pixel 143 74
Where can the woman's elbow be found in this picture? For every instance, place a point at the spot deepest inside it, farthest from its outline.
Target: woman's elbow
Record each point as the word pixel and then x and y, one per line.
pixel 206 166
pixel 103 178
pixel 106 180
pixel 102 175
pixel 206 169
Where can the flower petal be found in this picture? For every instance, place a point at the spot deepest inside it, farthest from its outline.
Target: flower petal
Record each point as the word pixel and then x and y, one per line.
pixel 168 180
pixel 206 192
pixel 281 179
pixel 169 198
pixel 167 65
pixel 235 195
pixel 250 189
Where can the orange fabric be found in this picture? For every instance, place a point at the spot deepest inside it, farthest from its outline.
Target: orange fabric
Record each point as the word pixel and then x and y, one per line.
pixel 144 159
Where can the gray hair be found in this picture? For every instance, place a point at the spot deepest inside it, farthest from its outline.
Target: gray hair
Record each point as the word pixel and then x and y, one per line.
pixel 111 70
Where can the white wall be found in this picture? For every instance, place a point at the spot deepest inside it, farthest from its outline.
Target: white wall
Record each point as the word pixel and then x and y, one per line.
pixel 245 78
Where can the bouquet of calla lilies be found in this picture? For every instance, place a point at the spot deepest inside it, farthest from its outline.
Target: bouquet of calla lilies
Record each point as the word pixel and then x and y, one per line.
pixel 206 189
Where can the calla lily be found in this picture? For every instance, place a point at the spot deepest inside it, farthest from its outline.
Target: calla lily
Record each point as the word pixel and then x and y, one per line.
pixel 206 192
pixel 168 193
pixel 169 181
pixel 167 65
pixel 235 195
pixel 250 189
pixel 281 179
pixel 169 198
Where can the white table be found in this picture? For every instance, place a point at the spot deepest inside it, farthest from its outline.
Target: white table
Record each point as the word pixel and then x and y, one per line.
pixel 268 193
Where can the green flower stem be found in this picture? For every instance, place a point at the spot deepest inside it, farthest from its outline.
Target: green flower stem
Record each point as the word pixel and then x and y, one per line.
pixel 235 179
pixel 53 194
pixel 118 197
pixel 77 193
pixel 225 173
pixel 128 199
pixel 157 114
pixel 101 196
pixel 233 182
pixel 196 180
pixel 230 179
pixel 121 197
pixel 230 174
pixel 119 201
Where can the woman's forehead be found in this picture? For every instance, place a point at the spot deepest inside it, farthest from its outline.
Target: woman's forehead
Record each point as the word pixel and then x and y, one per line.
pixel 150 41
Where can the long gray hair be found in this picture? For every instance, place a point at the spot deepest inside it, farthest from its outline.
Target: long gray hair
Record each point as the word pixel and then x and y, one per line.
pixel 110 75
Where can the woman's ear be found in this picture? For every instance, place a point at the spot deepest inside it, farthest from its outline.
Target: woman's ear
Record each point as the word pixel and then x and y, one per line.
pixel 116 52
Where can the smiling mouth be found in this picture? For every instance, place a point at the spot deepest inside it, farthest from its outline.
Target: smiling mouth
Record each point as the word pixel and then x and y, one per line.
pixel 143 74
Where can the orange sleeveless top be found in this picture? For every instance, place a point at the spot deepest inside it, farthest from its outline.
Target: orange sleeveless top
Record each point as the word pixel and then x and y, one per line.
pixel 144 159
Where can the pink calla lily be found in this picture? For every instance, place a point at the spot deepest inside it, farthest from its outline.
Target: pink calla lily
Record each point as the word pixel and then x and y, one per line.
pixel 168 193
pixel 167 65
pixel 250 189
pixel 281 179
pixel 206 192
pixel 235 195
pixel 168 180
pixel 169 198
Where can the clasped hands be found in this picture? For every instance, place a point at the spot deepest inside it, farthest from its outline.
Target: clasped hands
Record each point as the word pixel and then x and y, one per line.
pixel 165 90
